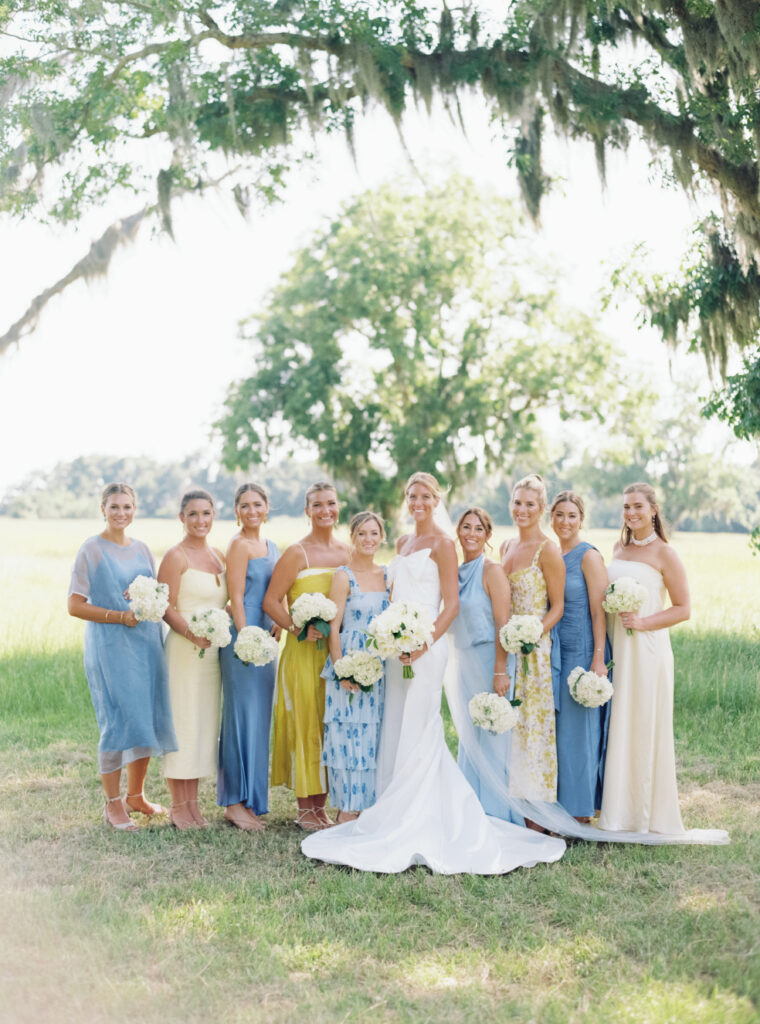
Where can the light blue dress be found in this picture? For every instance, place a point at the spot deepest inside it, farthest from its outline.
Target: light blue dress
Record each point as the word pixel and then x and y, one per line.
pixel 125 666
pixel 475 640
pixel 247 695
pixel 352 726
pixel 580 730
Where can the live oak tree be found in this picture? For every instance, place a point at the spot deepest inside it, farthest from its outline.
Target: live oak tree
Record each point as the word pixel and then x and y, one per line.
pixel 232 91
pixel 415 332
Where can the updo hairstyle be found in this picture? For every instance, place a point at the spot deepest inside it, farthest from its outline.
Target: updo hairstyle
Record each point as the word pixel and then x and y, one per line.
pixel 483 516
pixel 533 482
pixel 197 494
pixel 361 518
pixel 658 522
pixel 576 499
pixel 427 479
pixel 117 488
pixel 321 485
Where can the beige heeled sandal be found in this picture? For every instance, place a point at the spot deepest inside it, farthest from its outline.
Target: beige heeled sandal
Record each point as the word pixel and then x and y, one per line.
pixel 122 826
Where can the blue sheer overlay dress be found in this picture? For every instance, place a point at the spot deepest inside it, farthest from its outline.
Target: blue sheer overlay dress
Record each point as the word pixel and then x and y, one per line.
pixel 247 695
pixel 125 666
pixel 475 641
pixel 352 726
pixel 580 730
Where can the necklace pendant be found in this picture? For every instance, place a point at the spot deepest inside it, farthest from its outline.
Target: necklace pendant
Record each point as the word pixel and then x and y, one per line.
pixel 647 540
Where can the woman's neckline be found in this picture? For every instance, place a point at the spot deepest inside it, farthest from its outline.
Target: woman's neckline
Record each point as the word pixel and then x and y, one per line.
pixel 636 561
pixel 123 547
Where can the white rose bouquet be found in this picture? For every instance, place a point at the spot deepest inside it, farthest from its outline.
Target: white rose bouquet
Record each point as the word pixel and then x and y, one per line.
pixel 148 598
pixel 624 594
pixel 521 635
pixel 362 668
pixel 492 712
pixel 589 689
pixel 255 646
pixel 211 624
pixel 313 610
pixel 402 628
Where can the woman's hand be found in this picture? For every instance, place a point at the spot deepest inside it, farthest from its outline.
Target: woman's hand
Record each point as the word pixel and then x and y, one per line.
pixel 276 632
pixel 313 634
pixel 500 684
pixel 348 685
pixel 129 619
pixel 408 659
pixel 598 665
pixel 632 621
pixel 198 641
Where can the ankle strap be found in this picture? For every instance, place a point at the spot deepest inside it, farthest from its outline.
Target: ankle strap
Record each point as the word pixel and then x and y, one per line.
pixel 113 799
pixel 132 796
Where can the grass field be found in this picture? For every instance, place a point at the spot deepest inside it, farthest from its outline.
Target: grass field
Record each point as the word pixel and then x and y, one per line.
pixel 164 926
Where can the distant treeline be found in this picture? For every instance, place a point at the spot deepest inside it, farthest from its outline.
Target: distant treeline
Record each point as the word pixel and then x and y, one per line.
pixel 712 497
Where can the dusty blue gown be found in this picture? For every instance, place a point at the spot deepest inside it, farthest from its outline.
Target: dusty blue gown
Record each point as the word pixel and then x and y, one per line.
pixel 247 695
pixel 125 666
pixel 580 730
pixel 352 727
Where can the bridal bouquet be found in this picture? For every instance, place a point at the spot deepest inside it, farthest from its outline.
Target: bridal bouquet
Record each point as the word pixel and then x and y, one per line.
pixel 589 689
pixel 148 598
pixel 402 628
pixel 255 646
pixel 313 610
pixel 212 624
pixel 492 712
pixel 624 594
pixel 521 635
pixel 362 668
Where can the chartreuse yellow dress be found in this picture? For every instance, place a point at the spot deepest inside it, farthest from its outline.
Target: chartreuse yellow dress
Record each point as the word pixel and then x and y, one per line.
pixel 300 702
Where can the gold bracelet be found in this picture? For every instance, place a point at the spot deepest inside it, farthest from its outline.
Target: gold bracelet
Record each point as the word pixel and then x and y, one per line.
pixel 107 614
pixel 187 630
pixel 121 618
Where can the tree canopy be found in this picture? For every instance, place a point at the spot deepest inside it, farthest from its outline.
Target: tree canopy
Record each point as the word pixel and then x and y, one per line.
pixel 416 332
pixel 231 91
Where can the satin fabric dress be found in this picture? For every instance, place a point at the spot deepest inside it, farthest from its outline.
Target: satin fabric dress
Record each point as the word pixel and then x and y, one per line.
pixel 580 730
pixel 474 633
pixel 195 683
pixel 300 701
pixel 640 790
pixel 125 666
pixel 352 725
pixel 533 757
pixel 247 696
pixel 426 812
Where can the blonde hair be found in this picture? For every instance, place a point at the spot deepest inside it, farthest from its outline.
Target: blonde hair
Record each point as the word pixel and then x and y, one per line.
pixel 118 488
pixel 321 485
pixel 532 482
pixel 427 479
pixel 361 518
pixel 483 516
pixel 576 499
pixel 626 534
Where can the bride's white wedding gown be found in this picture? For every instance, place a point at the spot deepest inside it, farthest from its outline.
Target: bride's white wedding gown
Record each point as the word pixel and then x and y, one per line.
pixel 426 812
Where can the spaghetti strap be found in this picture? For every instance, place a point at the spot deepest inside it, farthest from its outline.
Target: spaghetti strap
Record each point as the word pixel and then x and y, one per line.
pixel 539 550
pixel 300 545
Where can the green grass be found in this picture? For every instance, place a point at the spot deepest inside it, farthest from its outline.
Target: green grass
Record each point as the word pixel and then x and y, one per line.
pixel 165 926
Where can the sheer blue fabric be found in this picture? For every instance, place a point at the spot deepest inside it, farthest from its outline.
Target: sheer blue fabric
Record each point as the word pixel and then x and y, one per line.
pixel 125 667
pixel 580 731
pixel 352 726
pixel 248 692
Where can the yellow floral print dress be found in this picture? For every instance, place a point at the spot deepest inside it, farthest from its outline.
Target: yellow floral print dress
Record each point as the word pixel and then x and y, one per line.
pixel 533 757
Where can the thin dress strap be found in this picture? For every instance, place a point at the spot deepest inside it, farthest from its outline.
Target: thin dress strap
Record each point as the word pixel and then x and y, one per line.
pixel 298 544
pixel 538 551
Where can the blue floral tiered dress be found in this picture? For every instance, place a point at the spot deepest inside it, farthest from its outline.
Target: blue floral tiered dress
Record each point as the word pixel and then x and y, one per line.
pixel 352 726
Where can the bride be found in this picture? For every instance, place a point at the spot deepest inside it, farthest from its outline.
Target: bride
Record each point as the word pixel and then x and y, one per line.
pixel 426 812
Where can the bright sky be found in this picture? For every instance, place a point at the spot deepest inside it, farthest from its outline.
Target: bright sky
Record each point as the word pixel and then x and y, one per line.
pixel 139 363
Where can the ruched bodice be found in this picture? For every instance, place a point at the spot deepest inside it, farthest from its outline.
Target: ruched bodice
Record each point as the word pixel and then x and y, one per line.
pixel 649 577
pixel 415 578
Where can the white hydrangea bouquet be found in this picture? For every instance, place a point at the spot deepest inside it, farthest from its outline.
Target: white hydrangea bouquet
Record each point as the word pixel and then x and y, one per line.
pixel 589 689
pixel 402 628
pixel 148 598
pixel 624 594
pixel 255 646
pixel 521 635
pixel 313 610
pixel 362 668
pixel 211 624
pixel 492 712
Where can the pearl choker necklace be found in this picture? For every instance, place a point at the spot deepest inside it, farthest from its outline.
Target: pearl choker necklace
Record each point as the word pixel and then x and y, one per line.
pixel 647 540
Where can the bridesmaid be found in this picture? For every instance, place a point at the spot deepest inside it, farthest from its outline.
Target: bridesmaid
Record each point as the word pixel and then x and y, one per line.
pixel 196 577
pixel 640 791
pixel 536 572
pixel 582 635
pixel 352 717
pixel 484 607
pixel 123 659
pixel 305 567
pixel 248 690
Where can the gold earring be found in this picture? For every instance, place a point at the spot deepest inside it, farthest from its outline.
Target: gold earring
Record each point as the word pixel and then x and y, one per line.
pixel 237 520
